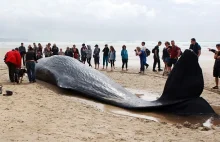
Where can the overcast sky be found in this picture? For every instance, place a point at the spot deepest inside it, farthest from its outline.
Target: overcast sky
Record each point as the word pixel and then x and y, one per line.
pixel 75 20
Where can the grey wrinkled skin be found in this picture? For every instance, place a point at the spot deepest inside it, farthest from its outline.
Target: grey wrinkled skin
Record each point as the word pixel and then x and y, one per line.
pixel 181 93
pixel 68 73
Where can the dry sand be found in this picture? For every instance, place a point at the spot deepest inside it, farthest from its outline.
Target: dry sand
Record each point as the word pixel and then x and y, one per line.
pixel 41 112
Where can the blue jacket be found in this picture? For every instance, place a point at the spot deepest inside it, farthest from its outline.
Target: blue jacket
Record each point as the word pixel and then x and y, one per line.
pixel 143 56
pixel 124 54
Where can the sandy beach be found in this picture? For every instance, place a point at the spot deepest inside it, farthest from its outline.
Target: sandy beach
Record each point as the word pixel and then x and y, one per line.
pixel 43 112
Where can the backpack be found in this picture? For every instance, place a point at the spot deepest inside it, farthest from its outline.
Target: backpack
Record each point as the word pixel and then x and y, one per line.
pixel 153 50
pixel 148 52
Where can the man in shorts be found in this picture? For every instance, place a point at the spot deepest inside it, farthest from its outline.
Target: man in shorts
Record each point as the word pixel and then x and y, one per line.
pixel 174 55
pixel 216 69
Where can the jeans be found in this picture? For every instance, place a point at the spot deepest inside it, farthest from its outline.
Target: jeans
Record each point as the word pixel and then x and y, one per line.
pixel 12 72
pixel 124 63
pixel 112 63
pixel 142 62
pixel 145 61
pixel 156 61
pixel 105 60
pixel 89 61
pixel 31 71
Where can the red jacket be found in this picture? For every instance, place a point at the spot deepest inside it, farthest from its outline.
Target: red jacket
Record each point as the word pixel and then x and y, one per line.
pixel 13 57
pixel 18 59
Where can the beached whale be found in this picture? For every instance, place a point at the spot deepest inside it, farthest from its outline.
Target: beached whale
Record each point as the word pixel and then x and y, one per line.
pixel 181 93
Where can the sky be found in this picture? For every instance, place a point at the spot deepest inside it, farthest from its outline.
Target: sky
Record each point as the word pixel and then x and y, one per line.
pixel 114 20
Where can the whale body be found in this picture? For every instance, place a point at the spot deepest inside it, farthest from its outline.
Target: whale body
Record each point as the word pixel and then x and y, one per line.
pixel 181 93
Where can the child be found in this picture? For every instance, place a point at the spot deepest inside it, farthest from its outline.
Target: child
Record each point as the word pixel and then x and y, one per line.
pixel 216 70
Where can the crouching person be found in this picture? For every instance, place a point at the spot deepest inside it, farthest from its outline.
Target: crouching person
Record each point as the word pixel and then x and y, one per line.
pixel 13 61
pixel 30 65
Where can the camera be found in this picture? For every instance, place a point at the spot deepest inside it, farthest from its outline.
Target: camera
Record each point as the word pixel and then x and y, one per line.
pixel 135 50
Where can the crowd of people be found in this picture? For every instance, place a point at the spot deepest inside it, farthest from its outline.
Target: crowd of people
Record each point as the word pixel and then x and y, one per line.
pixel 170 56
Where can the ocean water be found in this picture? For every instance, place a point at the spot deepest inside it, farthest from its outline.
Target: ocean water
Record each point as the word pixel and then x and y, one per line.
pixel 206 58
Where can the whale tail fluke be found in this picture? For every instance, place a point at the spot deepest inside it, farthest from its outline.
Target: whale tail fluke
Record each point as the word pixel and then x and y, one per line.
pixel 186 79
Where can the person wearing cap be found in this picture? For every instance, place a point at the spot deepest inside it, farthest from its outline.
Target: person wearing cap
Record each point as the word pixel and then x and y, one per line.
pixel 124 56
pixel 195 47
pixel 96 56
pixel 105 56
pixel 83 53
pixel 216 69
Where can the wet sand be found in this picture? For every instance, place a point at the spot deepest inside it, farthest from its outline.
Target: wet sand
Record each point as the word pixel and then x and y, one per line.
pixel 43 112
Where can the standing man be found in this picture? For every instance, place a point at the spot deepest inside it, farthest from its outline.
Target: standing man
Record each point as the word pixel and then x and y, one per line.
pixel 174 54
pixel 144 48
pixel 216 69
pixel 105 56
pixel 195 47
pixel 22 51
pixel 157 57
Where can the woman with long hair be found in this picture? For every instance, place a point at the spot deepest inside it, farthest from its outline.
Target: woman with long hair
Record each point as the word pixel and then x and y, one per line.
pixel 112 57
